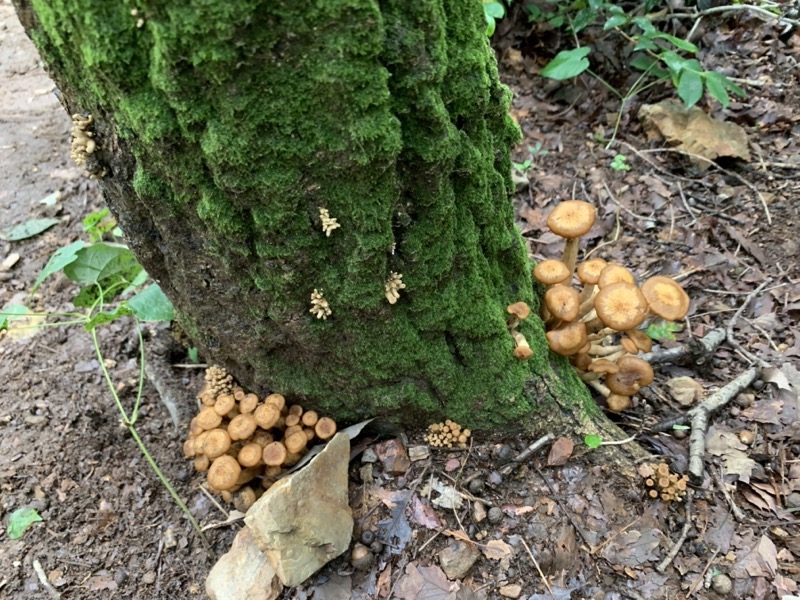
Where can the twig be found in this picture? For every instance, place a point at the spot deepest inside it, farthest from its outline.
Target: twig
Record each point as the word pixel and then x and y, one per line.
pixel 538 568
pixel 676 547
pixel 735 510
pixel 731 8
pixel 699 349
pixel 699 419
pixel 526 454
pixel 729 330
pixel 37 566
pixel 190 366
pixel 697 582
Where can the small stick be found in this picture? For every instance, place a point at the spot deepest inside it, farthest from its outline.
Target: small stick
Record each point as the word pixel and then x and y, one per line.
pixel 729 330
pixel 538 568
pixel 37 566
pixel 735 510
pixel 676 547
pixel 526 454
pixel 699 349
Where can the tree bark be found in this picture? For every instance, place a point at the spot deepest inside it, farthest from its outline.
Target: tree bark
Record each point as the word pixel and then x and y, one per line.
pixel 223 128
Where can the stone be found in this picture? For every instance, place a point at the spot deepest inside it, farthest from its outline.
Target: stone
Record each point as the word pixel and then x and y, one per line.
pixel 304 520
pixel 513 590
pixel 394 457
pixel 478 512
pixel 457 559
pixel 495 515
pixel 243 573
pixel 416 453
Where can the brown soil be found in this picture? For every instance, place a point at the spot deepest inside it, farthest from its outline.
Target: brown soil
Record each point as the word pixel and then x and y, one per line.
pixel 110 529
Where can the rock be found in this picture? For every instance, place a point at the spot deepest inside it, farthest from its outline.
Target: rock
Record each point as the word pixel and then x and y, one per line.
pixel 369 456
pixel 394 457
pixel 416 453
pixel 478 512
pixel 457 559
pixel 304 521
pixel 495 515
pixel 721 584
pixel 513 590
pixel 243 573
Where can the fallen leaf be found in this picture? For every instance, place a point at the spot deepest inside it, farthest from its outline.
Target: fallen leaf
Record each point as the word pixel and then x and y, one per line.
pixel 727 445
pixel 560 452
pixel 776 376
pixel 423 514
pixel 425 583
pixel 338 587
pixel 27 229
pixel 448 495
pixel 497 550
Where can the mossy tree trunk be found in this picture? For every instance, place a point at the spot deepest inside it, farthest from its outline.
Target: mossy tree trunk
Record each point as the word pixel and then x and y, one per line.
pixel 223 128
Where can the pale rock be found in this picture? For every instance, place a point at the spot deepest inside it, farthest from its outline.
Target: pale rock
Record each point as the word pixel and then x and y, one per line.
pixel 457 559
pixel 243 573
pixel 513 590
pixel 304 521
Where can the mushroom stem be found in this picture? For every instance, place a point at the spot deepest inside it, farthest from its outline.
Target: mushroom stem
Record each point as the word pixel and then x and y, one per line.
pixel 589 376
pixel 587 293
pixel 570 256
pixel 587 303
pixel 597 350
pixel 599 387
pixel 522 349
pixel 602 334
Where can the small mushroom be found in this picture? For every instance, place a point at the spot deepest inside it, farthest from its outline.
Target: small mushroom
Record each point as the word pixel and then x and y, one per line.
pixel 267 415
pixel 589 274
pixel 571 219
pixel 250 454
pixel 522 351
pixel 519 311
pixel 223 473
pixel 361 557
pixel 562 302
pixel 217 442
pixel 274 454
pixel 551 272
pixel 248 403
pixel 634 374
pixel 225 403
pixel 666 298
pixel 614 273
pixel 296 442
pixel 201 463
pixel 617 403
pixel 310 418
pixel 276 399
pixel 325 428
pixel 292 420
pixel 208 418
pixel 244 498
pixel 641 339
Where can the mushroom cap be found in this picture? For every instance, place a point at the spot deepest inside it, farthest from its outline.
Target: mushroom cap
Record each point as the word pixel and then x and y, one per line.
pixel 325 428
pixel 296 409
pixel 267 415
pixel 589 270
pixel 224 473
pixel 563 302
pixel 276 399
pixel 582 361
pixel 310 418
pixel 603 365
pixel 296 441
pixel 242 426
pixel 620 306
pixel 634 374
pixel 201 463
pixel 292 420
pixel 614 273
pixel 551 272
pixel 629 345
pixel 248 403
pixel 617 403
pixel 571 218
pixel 250 454
pixel 523 352
pixel 666 298
pixel 208 419
pixel 519 310
pixel 244 498
pixel 225 403
pixel 217 443
pixel 567 339
pixel 274 454
pixel 641 339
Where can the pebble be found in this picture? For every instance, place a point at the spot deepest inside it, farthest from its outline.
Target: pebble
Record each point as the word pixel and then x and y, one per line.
pixel 367 537
pixel 793 500
pixel 721 584
pixel 505 453
pixel 478 512
pixel 476 486
pixel 369 456
pixel 416 453
pixel 457 559
pixel 513 590
pixel 495 515
pixel 149 578
pixel 495 478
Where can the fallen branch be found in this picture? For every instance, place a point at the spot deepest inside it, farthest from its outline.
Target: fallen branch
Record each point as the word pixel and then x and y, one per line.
pixel 698 349
pixel 527 453
pixel 735 510
pixel 676 547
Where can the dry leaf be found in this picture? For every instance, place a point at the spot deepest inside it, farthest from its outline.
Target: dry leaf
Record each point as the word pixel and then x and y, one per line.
pixel 423 514
pixel 497 550
pixel 685 390
pixel 728 446
pixel 560 452
pixel 425 583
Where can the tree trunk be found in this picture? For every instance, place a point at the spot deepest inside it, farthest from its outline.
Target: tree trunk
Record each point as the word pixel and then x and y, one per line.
pixel 222 130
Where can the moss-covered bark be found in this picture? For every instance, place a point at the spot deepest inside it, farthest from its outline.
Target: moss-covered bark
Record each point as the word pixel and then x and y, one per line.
pixel 224 127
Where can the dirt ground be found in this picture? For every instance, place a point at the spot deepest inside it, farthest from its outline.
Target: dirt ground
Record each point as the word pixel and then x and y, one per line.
pixel 579 530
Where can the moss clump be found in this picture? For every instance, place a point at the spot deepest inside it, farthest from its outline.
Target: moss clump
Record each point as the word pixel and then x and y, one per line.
pixel 237 121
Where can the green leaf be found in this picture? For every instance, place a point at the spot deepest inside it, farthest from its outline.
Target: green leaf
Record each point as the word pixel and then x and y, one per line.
pixel 593 441
pixel 9 312
pixel 662 330
pixel 690 87
pixel 100 261
pixel 152 305
pixel 20 520
pixel 646 25
pixel 615 21
pixel 645 43
pixel 494 9
pixel 644 62
pixel 716 87
pixel 729 85
pixel 675 63
pixel 677 42
pixel 194 355
pixel 106 317
pixel 60 259
pixel 490 25
pixel 27 229
pixel 567 64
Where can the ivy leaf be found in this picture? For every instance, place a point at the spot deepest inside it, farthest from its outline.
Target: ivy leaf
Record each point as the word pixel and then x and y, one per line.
pixel 593 441
pixel 60 259
pixel 567 64
pixel 690 87
pixel 20 520
pixel 152 305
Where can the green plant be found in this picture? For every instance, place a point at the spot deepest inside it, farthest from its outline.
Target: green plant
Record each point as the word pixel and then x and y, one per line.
pixel 493 11
pixel 593 441
pixel 534 152
pixel 105 271
pixel 662 330
pixel 657 54
pixel 620 163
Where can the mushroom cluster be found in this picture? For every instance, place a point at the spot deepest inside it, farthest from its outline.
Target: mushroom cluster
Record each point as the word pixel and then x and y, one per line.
pixel 447 435
pixel 661 483
pixel 238 439
pixel 599 325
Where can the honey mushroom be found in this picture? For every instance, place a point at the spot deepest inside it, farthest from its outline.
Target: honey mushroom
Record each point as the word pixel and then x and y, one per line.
pixel 274 454
pixel 225 403
pixel 589 274
pixel 250 454
pixel 571 219
pixel 666 298
pixel 522 350
pixel 242 426
pixel 562 303
pixel 217 442
pixel 325 428
pixel 223 473
pixel 267 415
pixel 248 403
pixel 276 400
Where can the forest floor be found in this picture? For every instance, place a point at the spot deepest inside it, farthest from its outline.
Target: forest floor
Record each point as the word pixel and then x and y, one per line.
pixel 575 530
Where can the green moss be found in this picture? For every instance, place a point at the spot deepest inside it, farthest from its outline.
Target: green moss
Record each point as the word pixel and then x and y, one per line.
pixel 245 117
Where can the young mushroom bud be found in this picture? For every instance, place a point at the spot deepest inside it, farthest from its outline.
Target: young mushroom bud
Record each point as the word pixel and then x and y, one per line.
pixel 267 416
pixel 277 400
pixel 248 403
pixel 310 418
pixel 325 428
pixel 242 426
pixel 201 463
pixel 217 443
pixel 244 499
pixel 274 454
pixel 225 403
pixel 522 350
pixel 250 454
pixel 617 403
pixel 296 441
pixel 571 219
pixel 634 374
